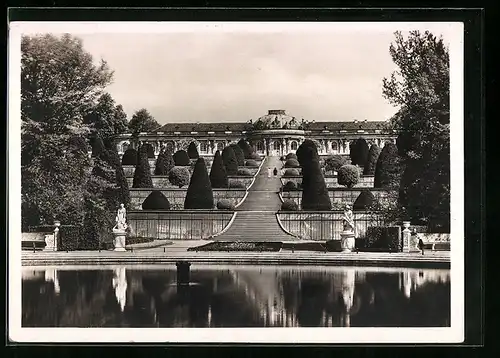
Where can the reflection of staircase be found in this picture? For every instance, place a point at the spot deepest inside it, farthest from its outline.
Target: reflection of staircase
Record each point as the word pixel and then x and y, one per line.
pixel 256 219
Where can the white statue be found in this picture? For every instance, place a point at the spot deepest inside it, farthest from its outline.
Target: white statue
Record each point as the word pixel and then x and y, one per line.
pixel 348 219
pixel 121 218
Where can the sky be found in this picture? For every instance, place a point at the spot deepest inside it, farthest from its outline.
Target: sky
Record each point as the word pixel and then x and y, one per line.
pixel 235 76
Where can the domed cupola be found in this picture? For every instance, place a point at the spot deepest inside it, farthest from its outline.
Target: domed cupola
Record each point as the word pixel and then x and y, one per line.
pixel 276 119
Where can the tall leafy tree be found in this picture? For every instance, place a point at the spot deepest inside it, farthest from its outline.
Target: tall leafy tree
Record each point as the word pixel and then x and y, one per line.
pixel 142 173
pixel 106 119
pixel 142 121
pixel 420 89
pixel 371 161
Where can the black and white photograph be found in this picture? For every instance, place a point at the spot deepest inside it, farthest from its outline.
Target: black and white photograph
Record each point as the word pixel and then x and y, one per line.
pixel 232 182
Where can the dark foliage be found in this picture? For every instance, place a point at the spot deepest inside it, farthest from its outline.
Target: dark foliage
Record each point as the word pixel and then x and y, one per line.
pixel 291 172
pixel 193 151
pixel 251 163
pixel 359 152
pixel 181 158
pixel 334 162
pixel 129 157
pixel 291 156
pixel 289 205
pixel 364 201
pixel 142 173
pixel 244 172
pixel 302 149
pixel 290 186
pixel 292 163
pixel 388 169
pixel 240 156
pixel 246 148
pixel 150 149
pixel 348 175
pixel 156 201
pixel 179 176
pixel 371 161
pixel 230 161
pixel 225 204
pixel 314 190
pixel 218 175
pixel 199 194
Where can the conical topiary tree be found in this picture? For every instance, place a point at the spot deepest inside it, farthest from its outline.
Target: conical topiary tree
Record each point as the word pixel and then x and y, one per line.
pixel 156 201
pixel 230 161
pixel 122 192
pixel 246 148
pixel 359 152
pixel 314 190
pixel 240 157
pixel 218 175
pixel 193 151
pixel 199 194
pixel 371 162
pixel 150 150
pixel 302 149
pixel 164 163
pixel 388 168
pixel 129 157
pixel 181 158
pixel 364 201
pixel 142 173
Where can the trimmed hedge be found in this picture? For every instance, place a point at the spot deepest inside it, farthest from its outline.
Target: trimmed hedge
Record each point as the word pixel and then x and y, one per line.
pixel 237 185
pixel 181 158
pixel 348 175
pixel 371 162
pixel 71 238
pixel 252 163
pixel 255 156
pixel 387 169
pixel 359 152
pixel 164 163
pixel 199 194
pixel 364 201
pixel 289 205
pixel 386 238
pixel 129 157
pixel 291 172
pixel 292 163
pixel 244 172
pixel 142 173
pixel 333 246
pixel 193 151
pixel 179 176
pixel 240 156
pixel 290 186
pixel 301 151
pixel 291 156
pixel 230 161
pixel 225 204
pixel 218 175
pixel 246 148
pixel 156 201
pixel 314 193
pixel 335 162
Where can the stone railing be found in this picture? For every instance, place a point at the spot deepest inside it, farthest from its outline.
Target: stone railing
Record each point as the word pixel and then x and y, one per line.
pixel 365 181
pixel 337 196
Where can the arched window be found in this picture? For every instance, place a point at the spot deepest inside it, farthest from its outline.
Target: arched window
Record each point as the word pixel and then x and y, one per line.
pixel 260 146
pixel 203 147
pixel 124 146
pixel 220 146
pixel 276 145
pixel 334 146
pixel 294 145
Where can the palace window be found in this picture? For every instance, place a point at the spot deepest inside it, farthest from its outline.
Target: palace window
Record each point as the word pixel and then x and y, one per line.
pixel 334 146
pixel 276 145
pixel 294 146
pixel 260 146
pixel 203 147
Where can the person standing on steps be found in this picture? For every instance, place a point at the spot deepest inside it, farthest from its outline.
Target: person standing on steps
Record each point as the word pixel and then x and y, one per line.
pixel 275 171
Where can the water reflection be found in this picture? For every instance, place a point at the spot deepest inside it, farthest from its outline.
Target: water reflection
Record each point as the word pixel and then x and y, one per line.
pixel 236 296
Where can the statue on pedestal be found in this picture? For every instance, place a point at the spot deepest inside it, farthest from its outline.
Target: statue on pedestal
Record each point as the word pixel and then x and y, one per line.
pixel 348 235
pixel 121 218
pixel 348 219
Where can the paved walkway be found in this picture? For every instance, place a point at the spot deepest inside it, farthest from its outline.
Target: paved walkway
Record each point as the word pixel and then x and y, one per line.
pixel 255 218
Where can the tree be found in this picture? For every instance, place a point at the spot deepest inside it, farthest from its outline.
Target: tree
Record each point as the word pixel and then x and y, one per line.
pixel 420 90
pixel 193 151
pixel 122 192
pixel 181 158
pixel 388 168
pixel 229 160
pixel 302 149
pixel 129 157
pixel 314 190
pixel 334 162
pixel 199 194
pixel 348 175
pixel 240 157
pixel 164 162
pixel 59 86
pixel 364 201
pixel 371 161
pixel 156 201
pixel 142 173
pixel 179 176
pixel 359 152
pixel 246 148
pixel 218 175
pixel 120 122
pixel 106 119
pixel 142 121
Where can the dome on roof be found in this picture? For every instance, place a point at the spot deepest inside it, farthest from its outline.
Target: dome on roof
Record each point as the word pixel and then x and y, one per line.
pixel 277 118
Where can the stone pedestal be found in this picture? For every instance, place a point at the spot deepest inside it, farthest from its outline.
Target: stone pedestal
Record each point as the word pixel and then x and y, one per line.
pixel 51 239
pixel 119 239
pixel 347 241
pixel 183 273
pixel 406 236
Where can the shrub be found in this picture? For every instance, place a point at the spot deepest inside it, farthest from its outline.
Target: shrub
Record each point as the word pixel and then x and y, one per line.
pixel 291 156
pixel 388 168
pixel 246 148
pixel 179 176
pixel 225 204
pixel 314 191
pixel 129 157
pixel 181 158
pixel 301 150
pixel 142 173
pixel 333 246
pixel 150 150
pixel 371 162
pixel 359 152
pixel 289 205
pixel 240 157
pixel 348 175
pixel 156 201
pixel 121 193
pixel 164 163
pixel 292 163
pixel 365 200
pixel 230 161
pixel 290 186
pixel 71 238
pixel 291 172
pixel 252 163
pixel 255 156
pixel 199 194
pixel 244 172
pixel 334 162
pixel 218 175
pixel 237 185
pixel 193 151
pixel 384 238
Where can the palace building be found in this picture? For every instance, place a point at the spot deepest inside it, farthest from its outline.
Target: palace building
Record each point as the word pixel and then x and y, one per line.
pixel 276 133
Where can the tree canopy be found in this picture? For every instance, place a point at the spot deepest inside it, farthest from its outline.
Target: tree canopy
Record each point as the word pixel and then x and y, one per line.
pixel 142 121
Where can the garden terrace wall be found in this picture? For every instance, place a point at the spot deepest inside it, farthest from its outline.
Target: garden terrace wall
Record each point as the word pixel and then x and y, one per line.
pixel 324 225
pixel 178 225
pixel 337 196
pixel 365 181
pixel 177 196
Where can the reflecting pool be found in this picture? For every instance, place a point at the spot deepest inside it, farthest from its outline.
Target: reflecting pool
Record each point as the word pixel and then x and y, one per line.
pixel 235 296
